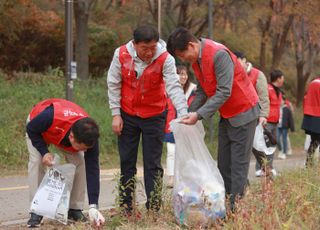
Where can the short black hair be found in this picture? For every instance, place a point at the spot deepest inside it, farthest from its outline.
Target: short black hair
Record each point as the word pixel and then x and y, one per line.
pixel 86 131
pixel 239 54
pixel 275 74
pixel 145 34
pixel 179 40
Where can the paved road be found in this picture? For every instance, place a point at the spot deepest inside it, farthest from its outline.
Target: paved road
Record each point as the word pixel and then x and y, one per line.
pixel 14 204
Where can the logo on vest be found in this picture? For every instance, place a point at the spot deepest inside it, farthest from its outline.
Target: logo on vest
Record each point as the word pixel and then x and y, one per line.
pixel 69 113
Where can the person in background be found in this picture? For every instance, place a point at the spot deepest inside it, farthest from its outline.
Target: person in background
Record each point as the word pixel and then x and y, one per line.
pixel 286 122
pixel 291 107
pixel 306 145
pixel 67 126
pixel 140 75
pixel 189 92
pixel 259 81
pixel 311 118
pixel 224 86
pixel 275 97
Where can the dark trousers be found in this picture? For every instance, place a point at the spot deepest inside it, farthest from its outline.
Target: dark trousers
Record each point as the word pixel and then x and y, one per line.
pixel 234 150
pixel 315 142
pixel 152 131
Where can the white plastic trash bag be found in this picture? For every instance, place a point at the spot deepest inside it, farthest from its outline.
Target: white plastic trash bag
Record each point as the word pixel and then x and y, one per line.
pixel 53 195
pixel 259 142
pixel 198 193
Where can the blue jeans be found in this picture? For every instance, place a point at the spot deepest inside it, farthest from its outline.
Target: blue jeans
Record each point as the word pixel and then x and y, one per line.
pixel 282 136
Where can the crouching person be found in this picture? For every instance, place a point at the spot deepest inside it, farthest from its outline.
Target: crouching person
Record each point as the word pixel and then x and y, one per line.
pixel 67 126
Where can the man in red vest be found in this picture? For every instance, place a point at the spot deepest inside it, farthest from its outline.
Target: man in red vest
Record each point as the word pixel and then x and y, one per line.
pixel 67 126
pixel 259 81
pixel 140 74
pixel 223 86
pixel 311 118
pixel 275 97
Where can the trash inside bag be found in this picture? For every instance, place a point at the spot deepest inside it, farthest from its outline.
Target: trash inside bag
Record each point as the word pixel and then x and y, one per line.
pixel 198 193
pixel 53 195
pixel 263 142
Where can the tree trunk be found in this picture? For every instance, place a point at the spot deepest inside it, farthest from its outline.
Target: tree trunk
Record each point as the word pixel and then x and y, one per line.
pixel 263 48
pixel 304 65
pixel 280 43
pixel 265 28
pixel 81 10
pixel 300 83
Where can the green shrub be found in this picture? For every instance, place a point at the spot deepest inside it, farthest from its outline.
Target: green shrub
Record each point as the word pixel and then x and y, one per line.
pixel 102 43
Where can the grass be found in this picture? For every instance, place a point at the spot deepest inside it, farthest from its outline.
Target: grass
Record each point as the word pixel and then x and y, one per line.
pixel 291 201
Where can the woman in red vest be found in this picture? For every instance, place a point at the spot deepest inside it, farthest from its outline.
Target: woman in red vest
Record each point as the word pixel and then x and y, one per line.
pixel 68 127
pixel 223 86
pixel 275 97
pixel 311 118
pixel 189 91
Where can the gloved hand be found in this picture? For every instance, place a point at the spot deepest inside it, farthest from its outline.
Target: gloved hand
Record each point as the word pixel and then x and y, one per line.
pixel 96 218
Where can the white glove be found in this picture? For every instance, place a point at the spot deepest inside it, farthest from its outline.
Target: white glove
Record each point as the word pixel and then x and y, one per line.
pixel 96 218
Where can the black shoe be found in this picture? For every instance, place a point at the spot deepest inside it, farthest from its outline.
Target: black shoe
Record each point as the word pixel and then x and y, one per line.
pixel 34 221
pixel 76 215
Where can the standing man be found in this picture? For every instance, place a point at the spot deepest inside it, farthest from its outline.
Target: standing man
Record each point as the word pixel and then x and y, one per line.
pixel 311 118
pixel 224 86
pixel 275 97
pixel 259 81
pixel 140 74
pixel 67 126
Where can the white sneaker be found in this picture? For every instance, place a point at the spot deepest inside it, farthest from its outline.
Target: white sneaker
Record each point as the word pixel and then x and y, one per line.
pixel 289 152
pixel 282 156
pixel 274 172
pixel 259 173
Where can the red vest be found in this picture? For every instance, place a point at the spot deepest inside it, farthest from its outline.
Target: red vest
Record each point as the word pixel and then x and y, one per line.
pixel 66 113
pixel 311 103
pixel 144 97
pixel 275 103
pixel 243 95
pixel 253 76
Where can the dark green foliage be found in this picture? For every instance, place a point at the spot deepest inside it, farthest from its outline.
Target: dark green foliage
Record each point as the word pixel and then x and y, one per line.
pixel 102 44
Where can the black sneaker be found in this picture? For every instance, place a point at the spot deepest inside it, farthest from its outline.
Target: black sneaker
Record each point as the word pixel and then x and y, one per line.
pixel 34 221
pixel 76 215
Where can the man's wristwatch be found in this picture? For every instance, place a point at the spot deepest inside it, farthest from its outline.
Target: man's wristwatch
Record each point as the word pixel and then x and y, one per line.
pixel 199 116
